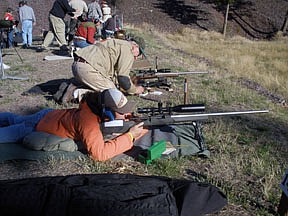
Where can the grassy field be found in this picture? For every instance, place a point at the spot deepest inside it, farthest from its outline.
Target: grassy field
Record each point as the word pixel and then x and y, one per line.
pixel 248 153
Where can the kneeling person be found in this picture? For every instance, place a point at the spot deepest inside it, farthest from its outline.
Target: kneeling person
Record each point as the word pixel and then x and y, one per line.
pixel 107 65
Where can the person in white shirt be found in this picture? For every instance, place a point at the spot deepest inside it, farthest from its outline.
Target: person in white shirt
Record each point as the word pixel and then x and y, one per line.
pixel 81 10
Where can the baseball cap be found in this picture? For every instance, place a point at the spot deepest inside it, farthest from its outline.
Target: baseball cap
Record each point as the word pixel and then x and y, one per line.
pixel 141 43
pixel 116 101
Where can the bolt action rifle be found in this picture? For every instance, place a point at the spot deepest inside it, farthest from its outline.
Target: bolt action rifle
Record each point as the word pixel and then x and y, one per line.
pixel 143 77
pixel 188 114
pixel 157 116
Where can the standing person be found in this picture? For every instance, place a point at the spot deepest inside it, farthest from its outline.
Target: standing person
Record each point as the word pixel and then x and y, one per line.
pixel 28 20
pixel 10 33
pixel 108 27
pixel 80 124
pixel 95 13
pixel 57 25
pixel 82 10
pixel 105 65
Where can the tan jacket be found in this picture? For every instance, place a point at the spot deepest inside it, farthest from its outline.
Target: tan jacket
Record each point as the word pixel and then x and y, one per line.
pixel 111 58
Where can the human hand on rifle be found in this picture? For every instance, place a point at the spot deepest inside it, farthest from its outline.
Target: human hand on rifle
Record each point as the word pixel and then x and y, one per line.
pixel 137 130
pixel 139 89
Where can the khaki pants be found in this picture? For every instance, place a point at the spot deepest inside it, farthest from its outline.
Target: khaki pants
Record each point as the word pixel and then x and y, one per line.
pixel 56 30
pixel 87 75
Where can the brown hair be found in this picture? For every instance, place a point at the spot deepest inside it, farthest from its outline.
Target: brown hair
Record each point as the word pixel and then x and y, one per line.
pixel 93 100
pixel 9 10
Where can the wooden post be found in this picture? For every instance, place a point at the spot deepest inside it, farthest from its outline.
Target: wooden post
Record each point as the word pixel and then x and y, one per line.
pixel 285 24
pixel 226 19
pixel 185 91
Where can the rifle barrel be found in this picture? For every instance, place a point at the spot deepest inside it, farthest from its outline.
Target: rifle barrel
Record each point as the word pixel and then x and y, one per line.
pixel 165 74
pixel 166 119
pixel 181 73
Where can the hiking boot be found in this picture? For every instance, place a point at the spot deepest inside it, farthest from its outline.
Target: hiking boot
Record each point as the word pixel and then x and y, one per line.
pixel 41 49
pixel 68 96
pixel 59 94
pixel 24 46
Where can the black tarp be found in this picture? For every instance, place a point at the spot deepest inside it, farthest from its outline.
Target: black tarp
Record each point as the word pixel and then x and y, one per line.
pixel 108 194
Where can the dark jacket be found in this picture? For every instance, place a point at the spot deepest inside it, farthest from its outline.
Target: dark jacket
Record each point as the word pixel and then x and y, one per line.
pixel 60 8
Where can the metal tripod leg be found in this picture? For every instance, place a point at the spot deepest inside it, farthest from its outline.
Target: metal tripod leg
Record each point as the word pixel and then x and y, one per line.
pixel 3 76
pixel 14 48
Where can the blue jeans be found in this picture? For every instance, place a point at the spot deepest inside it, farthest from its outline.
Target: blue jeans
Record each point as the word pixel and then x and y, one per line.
pixel 13 128
pixel 81 43
pixel 10 37
pixel 27 27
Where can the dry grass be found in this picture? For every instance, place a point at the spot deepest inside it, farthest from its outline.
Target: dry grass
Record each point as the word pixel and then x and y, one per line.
pixel 249 154
pixel 262 61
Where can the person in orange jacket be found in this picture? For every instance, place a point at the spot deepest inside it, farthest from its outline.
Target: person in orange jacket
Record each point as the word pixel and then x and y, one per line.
pixel 80 124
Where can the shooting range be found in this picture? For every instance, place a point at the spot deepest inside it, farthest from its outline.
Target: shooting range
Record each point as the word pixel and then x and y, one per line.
pixel 215 104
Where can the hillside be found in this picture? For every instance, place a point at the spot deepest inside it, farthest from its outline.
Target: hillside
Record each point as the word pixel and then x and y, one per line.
pixel 249 18
pixel 253 19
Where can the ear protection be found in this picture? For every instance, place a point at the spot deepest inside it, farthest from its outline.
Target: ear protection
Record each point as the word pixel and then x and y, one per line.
pixel 106 112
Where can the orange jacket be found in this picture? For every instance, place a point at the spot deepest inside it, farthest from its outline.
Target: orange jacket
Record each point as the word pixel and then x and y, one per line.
pixel 83 125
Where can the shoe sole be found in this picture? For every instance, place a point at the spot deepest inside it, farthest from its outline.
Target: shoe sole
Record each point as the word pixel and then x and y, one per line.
pixel 68 96
pixel 59 94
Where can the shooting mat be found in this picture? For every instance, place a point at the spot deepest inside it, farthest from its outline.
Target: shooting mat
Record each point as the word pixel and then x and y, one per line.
pixel 57 57
pixel 179 136
pixel 15 151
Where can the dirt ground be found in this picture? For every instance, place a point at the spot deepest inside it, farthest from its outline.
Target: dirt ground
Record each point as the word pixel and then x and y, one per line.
pixel 36 70
pixel 12 99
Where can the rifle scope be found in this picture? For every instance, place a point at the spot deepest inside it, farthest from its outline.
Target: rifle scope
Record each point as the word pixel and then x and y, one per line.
pixel 179 108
